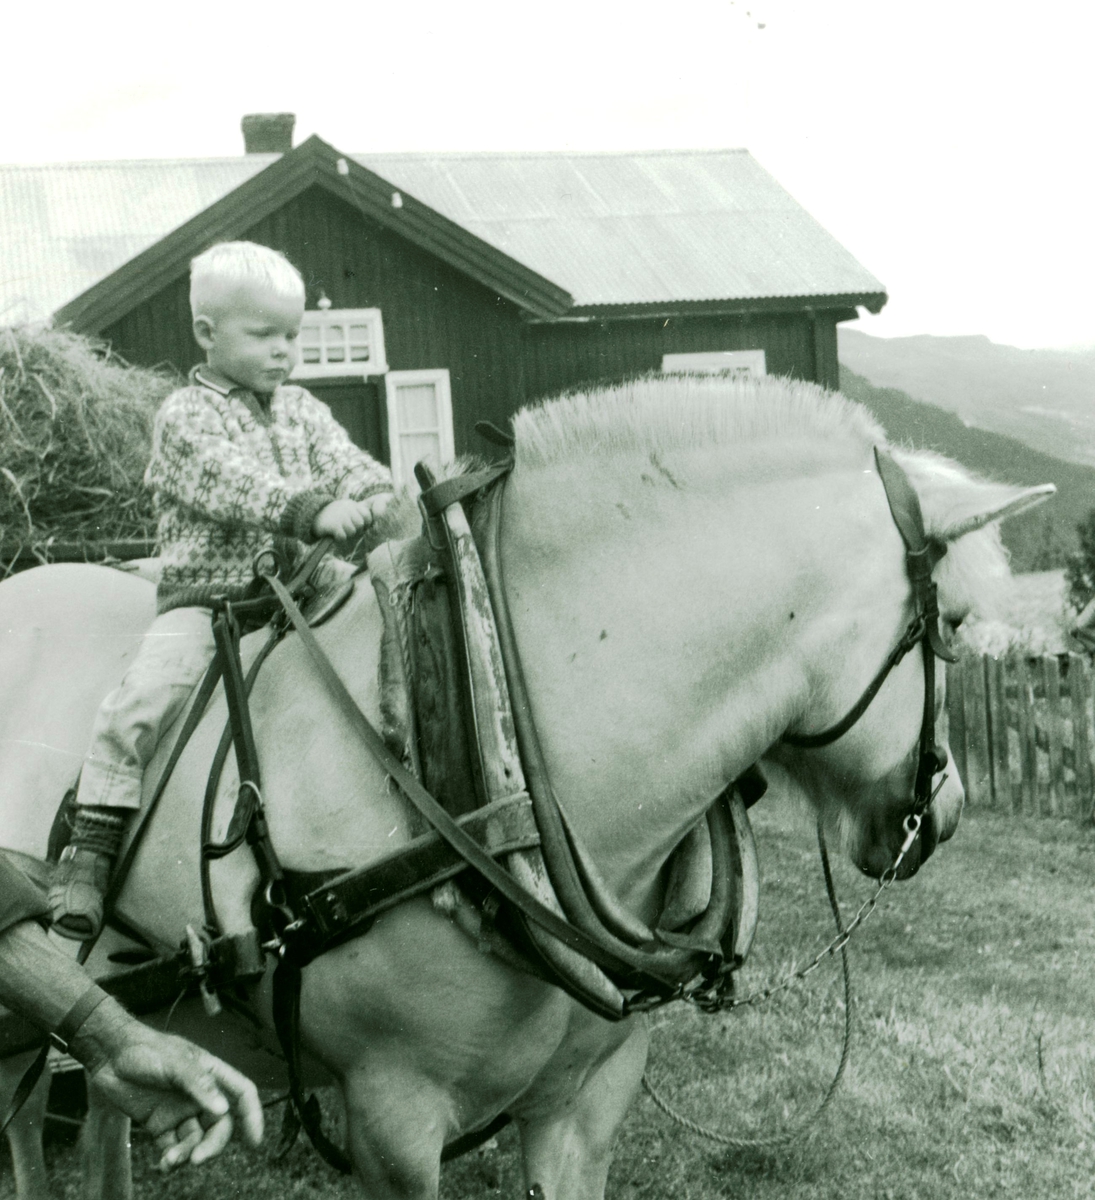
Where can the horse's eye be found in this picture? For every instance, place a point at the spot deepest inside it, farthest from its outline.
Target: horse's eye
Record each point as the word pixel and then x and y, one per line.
pixel 951 626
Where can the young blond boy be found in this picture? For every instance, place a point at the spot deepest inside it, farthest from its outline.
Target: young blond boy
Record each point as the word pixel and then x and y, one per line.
pixel 242 462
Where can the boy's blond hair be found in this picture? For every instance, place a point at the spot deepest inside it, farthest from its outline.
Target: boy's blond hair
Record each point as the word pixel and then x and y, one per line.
pixel 217 269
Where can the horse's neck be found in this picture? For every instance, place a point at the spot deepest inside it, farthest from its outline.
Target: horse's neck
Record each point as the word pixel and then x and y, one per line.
pixel 661 616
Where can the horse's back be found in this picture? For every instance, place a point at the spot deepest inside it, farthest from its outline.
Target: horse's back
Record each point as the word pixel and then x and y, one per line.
pixel 67 634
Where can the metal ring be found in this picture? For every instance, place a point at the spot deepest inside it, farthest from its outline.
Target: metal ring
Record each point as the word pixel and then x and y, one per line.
pixel 259 566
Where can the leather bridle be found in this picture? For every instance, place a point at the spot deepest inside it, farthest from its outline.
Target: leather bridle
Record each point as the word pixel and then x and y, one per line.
pixel 922 553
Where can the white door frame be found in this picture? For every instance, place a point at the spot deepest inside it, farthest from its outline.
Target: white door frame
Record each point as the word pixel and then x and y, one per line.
pixel 393 380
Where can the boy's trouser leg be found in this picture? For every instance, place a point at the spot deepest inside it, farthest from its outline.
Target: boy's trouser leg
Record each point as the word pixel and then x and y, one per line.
pixel 172 658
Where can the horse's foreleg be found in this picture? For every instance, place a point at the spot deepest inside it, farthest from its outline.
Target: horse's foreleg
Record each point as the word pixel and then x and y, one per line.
pixel 569 1125
pixel 104 1149
pixel 396 1127
pixel 25 1131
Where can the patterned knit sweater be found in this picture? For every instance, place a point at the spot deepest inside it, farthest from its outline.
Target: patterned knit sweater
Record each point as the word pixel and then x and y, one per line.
pixel 233 475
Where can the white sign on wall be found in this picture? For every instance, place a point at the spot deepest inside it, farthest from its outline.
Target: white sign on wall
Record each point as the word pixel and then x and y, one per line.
pixel 717 362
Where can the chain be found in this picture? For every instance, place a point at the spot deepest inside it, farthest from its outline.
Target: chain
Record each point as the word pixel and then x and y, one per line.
pixel 804 1126
pixel 712 997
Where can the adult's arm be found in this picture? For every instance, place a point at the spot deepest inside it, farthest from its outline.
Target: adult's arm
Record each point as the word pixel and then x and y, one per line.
pixel 20 900
pixel 184 1097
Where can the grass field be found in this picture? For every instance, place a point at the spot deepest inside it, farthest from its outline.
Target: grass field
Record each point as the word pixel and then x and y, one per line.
pixel 972 1070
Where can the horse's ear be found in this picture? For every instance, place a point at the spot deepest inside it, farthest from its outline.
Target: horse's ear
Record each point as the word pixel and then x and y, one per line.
pixel 956 503
pixel 1017 502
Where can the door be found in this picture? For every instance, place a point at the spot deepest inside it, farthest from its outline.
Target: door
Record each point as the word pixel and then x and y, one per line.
pixel 419 409
pixel 356 404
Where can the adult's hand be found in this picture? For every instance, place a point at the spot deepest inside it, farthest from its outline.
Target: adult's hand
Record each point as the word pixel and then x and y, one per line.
pixel 188 1100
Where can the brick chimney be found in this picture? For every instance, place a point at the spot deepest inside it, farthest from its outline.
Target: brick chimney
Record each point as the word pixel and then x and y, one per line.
pixel 268 133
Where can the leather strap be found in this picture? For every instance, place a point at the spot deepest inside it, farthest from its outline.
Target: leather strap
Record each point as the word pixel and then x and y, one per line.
pixel 71 1023
pixel 27 1083
pixel 464 845
pixel 436 497
pixel 237 829
pixel 657 961
pixel 346 904
pixel 921 556
pixel 286 1013
pixel 921 552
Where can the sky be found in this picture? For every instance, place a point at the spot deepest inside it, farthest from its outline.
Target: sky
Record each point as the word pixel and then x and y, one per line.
pixel 945 143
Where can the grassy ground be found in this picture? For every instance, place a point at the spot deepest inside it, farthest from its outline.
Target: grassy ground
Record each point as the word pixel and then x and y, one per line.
pixel 972 1071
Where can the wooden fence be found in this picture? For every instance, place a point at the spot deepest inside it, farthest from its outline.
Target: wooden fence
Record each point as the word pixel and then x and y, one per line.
pixel 1021 732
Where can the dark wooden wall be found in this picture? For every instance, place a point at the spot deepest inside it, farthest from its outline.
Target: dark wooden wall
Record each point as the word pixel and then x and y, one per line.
pixel 571 354
pixel 434 316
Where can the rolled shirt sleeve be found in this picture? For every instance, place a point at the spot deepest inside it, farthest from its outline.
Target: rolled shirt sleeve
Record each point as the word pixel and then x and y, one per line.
pixel 20 900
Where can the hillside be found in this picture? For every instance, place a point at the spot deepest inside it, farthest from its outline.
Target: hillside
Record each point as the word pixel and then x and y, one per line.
pixel 1045 398
pixel 1038 541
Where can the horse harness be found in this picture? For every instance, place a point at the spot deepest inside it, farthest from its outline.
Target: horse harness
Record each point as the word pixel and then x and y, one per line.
pixel 298 925
pixel 922 553
pixel 658 972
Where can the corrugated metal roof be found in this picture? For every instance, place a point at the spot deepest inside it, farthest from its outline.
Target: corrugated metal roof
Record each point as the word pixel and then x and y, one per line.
pixel 64 227
pixel 612 229
pixel 637 228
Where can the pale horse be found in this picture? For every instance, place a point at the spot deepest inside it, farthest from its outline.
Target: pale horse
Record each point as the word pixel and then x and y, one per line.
pixel 696 568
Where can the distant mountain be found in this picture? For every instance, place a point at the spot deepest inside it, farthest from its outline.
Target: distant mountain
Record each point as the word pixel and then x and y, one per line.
pixel 1042 539
pixel 1045 398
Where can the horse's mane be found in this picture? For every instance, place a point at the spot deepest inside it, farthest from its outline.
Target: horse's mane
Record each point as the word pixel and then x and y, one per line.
pixel 662 413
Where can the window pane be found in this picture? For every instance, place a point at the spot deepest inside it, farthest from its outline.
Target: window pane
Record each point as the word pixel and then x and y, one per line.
pixel 417 406
pixel 359 343
pixel 334 338
pixel 310 354
pixel 416 446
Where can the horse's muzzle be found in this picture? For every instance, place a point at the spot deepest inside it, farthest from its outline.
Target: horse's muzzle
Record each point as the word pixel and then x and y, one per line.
pixel 922 848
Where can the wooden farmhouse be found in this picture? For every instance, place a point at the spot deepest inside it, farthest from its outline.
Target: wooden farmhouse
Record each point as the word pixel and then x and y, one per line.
pixel 445 289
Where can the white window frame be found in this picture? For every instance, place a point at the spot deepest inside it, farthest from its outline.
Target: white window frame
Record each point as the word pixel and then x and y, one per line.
pixel 324 319
pixel 393 380
pixel 717 362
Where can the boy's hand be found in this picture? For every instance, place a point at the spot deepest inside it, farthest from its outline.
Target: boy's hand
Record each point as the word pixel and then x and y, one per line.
pixel 343 518
pixel 375 505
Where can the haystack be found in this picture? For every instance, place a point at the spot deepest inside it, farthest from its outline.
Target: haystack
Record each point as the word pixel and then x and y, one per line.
pixel 75 434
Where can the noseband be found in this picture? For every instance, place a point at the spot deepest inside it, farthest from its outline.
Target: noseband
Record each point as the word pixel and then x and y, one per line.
pixel 921 555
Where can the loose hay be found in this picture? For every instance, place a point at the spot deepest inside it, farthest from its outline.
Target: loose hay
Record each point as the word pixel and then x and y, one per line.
pixel 75 435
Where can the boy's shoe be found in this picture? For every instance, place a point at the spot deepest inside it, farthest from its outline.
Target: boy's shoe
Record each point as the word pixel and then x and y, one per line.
pixel 76 896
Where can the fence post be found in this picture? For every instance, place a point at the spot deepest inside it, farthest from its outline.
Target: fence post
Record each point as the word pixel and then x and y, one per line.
pixel 996 693
pixel 956 721
pixel 1028 747
pixel 978 750
pixel 1079 682
pixel 1054 721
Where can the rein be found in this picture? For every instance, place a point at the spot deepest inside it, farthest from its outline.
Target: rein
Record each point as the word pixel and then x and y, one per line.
pixel 296 943
pixel 295 936
pixel 921 556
